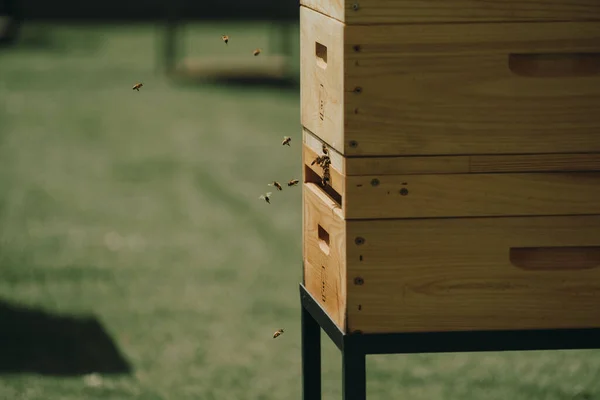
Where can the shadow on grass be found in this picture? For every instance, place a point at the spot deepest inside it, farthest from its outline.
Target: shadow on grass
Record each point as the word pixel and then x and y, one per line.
pixel 33 341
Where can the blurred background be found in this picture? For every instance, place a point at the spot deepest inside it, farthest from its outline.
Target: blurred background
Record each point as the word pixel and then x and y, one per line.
pixel 136 258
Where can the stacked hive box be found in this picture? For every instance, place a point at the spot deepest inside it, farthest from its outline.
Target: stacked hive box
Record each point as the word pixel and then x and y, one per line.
pixel 465 163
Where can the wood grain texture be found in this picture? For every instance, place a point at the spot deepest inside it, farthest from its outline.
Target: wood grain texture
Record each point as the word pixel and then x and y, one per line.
pixel 411 165
pixel 535 162
pixel 332 8
pixel 426 11
pixel 456 275
pixel 321 91
pixel 448 90
pixel 324 264
pixel 472 195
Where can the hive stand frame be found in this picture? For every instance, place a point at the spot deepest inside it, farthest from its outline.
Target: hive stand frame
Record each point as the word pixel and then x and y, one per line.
pixel 356 346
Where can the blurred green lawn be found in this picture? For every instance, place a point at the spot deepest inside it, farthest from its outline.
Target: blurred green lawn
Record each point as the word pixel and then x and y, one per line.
pixel 142 209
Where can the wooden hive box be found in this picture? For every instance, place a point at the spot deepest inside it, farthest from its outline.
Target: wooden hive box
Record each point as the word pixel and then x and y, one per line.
pixel 464 143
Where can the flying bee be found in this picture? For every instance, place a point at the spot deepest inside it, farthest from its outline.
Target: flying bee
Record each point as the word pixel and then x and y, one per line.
pixel 325 151
pixel 277 333
pixel 256 52
pixel 266 197
pixel 286 141
pixel 137 86
pixel 225 38
pixel 293 182
pixel 276 184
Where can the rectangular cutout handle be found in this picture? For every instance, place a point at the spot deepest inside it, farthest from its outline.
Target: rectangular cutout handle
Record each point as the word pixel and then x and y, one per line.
pixel 321 55
pixel 555 258
pixel 555 65
pixel 323 239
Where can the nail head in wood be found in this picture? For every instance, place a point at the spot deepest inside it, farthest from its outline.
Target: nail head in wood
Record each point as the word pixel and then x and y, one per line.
pixel 358 90
pixel 359 240
pixel 358 280
pixel 353 144
pixel 403 191
pixel 375 182
pixel 355 6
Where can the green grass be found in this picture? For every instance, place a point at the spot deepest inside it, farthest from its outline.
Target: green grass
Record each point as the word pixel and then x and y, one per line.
pixel 142 209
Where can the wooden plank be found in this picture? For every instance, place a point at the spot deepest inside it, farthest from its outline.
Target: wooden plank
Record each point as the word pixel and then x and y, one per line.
pixel 468 89
pixel 456 275
pixel 535 162
pixel 324 254
pixel 411 165
pixel 321 74
pixel 427 11
pixel 472 195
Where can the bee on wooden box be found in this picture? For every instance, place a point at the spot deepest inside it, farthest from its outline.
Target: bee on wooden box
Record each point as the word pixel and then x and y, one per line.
pixel 318 160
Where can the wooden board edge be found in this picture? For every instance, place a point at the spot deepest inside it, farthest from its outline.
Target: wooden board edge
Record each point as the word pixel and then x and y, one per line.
pixel 510 163
pixel 334 9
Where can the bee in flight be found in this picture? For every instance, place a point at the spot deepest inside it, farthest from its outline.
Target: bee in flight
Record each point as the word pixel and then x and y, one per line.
pixel 225 38
pixel 256 52
pixel 277 333
pixel 293 182
pixel 276 184
pixel 266 197
pixel 286 141
pixel 137 86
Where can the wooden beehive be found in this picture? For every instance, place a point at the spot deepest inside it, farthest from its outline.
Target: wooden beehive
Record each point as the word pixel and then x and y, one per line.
pixel 465 163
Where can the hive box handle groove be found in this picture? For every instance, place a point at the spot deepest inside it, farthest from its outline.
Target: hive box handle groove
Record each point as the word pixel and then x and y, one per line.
pixel 311 176
pixel 321 54
pixel 554 65
pixel 555 258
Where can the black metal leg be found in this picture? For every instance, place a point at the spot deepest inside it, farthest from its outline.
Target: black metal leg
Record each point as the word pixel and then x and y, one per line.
pixel 311 357
pixel 354 371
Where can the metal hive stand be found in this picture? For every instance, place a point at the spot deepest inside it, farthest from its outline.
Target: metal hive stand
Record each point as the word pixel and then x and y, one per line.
pixel 355 347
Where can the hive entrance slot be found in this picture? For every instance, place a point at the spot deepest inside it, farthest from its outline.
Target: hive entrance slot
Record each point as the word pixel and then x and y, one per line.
pixel 323 239
pixel 321 54
pixel 311 176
